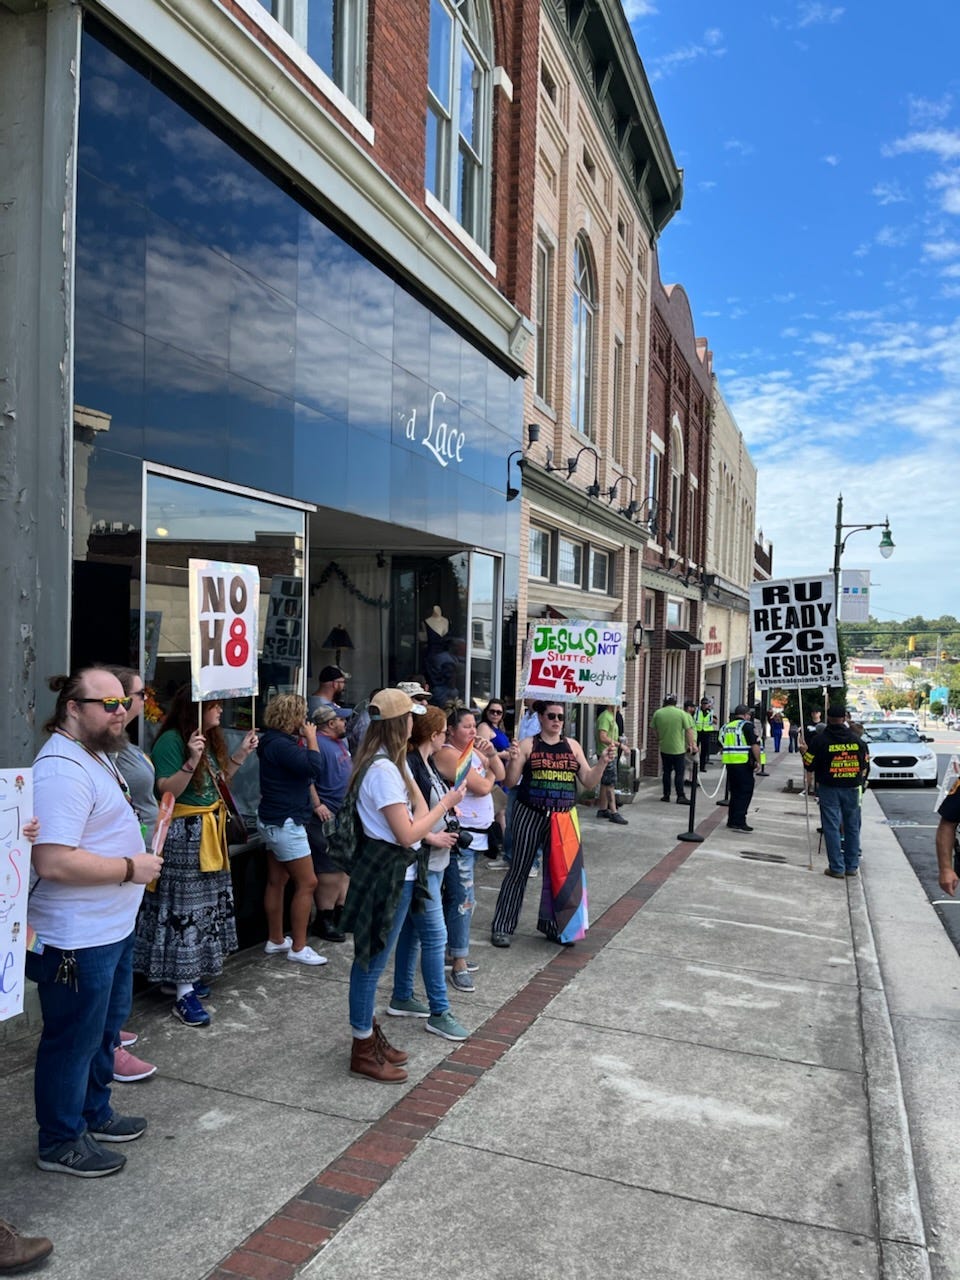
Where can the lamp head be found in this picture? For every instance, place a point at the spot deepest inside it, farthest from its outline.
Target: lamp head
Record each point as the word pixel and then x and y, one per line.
pixel 886 544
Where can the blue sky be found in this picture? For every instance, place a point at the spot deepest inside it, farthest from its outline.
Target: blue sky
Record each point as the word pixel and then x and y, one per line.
pixel 819 243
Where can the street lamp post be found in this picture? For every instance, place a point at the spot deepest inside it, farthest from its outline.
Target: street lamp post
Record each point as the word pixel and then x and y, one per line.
pixel 840 542
pixel 886 550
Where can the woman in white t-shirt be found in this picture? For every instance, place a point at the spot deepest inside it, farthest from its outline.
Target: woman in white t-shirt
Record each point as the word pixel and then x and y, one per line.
pixel 388 880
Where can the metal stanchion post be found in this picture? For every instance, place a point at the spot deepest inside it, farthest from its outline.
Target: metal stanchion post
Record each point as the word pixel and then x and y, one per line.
pixel 690 835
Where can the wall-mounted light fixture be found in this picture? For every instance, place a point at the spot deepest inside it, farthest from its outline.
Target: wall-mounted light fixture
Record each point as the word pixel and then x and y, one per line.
pixel 533 432
pixel 512 492
pixel 630 510
pixel 637 637
pixel 649 508
pixel 593 490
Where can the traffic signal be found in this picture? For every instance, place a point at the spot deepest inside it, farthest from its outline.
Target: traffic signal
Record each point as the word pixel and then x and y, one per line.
pixel 943 655
pixel 912 644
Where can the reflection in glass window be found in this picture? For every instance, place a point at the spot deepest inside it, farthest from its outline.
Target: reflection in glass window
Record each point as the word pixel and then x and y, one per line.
pixel 569 562
pixel 484 629
pixel 459 110
pixel 194 521
pixel 582 354
pixel 333 32
pixel 599 570
pixel 543 386
pixel 538 555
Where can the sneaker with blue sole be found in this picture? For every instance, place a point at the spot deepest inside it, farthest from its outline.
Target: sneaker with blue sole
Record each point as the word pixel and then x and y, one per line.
pixel 411 1008
pixel 82 1158
pixel 445 1024
pixel 190 1011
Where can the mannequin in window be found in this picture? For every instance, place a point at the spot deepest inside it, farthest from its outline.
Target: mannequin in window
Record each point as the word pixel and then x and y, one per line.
pixel 439 664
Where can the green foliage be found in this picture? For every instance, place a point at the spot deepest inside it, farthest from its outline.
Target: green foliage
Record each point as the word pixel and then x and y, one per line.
pixel 937 708
pixel 891 638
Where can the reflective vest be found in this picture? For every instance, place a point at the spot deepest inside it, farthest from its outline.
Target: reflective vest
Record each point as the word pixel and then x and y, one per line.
pixel 703 721
pixel 735 747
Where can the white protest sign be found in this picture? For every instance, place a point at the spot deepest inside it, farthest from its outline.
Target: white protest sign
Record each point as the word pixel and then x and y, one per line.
pixel 949 782
pixel 224 603
pixel 575 661
pixel 16 808
pixel 793 628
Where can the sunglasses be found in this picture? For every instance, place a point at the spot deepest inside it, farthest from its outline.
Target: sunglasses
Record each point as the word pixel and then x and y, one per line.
pixel 110 704
pixel 553 715
pixel 494 711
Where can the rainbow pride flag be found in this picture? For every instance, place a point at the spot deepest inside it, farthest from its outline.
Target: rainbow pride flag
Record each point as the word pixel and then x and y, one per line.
pixel 568 880
pixel 464 764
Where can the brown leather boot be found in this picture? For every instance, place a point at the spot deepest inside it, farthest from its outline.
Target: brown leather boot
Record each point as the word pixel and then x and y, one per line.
pixel 20 1253
pixel 367 1059
pixel 396 1057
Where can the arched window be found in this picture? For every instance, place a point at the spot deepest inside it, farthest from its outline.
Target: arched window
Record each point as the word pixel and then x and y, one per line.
pixel 459 88
pixel 676 484
pixel 582 340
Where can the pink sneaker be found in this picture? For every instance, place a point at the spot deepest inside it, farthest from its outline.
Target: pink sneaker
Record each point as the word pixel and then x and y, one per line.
pixel 127 1068
pixel 128 1039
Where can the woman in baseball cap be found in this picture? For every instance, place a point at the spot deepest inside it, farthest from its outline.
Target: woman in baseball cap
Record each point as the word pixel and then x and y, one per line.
pixel 389 870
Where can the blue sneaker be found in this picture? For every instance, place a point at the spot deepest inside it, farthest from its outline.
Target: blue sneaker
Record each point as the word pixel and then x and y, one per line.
pixel 461 979
pixel 190 1011
pixel 445 1024
pixel 411 1008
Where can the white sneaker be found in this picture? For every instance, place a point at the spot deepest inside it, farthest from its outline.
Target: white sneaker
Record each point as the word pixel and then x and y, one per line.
pixel 534 872
pixel 306 956
pixel 276 948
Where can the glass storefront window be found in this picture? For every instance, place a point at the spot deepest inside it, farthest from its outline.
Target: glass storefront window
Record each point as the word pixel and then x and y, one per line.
pixel 186 520
pixel 485 613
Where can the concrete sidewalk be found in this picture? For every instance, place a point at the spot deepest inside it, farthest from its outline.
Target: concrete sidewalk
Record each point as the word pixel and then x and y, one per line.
pixel 711 1085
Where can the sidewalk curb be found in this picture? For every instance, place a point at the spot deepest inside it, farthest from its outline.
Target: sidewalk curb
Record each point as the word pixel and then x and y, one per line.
pixel 900 1225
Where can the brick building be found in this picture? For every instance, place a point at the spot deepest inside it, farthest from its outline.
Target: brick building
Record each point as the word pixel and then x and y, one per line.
pixel 606 185
pixel 265 269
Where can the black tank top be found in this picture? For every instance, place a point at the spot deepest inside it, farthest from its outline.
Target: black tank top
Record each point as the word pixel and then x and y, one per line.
pixel 549 778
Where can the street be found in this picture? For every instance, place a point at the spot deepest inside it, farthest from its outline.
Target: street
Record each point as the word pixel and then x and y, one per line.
pixel 909 811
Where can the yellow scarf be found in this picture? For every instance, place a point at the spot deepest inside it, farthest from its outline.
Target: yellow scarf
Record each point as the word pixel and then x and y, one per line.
pixel 213 833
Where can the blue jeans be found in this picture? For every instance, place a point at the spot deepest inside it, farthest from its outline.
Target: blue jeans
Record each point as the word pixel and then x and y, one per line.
pixel 424 932
pixel 459 901
pixel 840 806
pixel 74 1068
pixel 363 982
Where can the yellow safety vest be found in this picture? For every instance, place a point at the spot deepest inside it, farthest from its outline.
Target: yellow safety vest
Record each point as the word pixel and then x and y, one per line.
pixel 703 721
pixel 735 748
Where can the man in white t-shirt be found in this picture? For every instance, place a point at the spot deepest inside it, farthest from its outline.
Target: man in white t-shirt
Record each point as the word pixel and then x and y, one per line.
pixel 91 869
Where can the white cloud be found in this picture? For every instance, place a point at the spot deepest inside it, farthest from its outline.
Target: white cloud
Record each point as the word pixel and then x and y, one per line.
pixel 948 183
pixel 739 146
pixel 889 193
pixel 924 111
pixel 812 14
pixel 831 160
pixel 939 250
pixel 944 143
pixel 636 9
pixel 709 46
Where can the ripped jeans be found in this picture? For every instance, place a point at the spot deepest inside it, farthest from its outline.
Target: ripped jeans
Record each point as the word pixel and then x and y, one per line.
pixel 458 902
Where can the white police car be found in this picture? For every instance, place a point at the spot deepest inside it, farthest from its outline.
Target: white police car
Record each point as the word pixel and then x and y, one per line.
pixel 898 753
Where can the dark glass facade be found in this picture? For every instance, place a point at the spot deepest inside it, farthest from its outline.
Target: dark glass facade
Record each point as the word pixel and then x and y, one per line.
pixel 224 328
pixel 227 330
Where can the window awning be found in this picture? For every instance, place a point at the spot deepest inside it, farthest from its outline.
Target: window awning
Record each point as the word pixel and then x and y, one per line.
pixel 683 640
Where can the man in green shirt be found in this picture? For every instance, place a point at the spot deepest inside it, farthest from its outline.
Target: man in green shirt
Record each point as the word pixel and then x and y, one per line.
pixel 608 734
pixel 675 735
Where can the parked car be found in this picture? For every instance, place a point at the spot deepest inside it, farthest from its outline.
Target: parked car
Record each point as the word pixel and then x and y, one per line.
pixel 898 753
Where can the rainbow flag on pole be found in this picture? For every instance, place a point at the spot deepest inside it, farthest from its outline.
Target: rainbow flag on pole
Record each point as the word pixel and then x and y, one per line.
pixel 464 764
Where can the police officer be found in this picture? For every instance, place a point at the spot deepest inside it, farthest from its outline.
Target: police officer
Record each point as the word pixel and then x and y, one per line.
pixel 741 758
pixel 705 723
